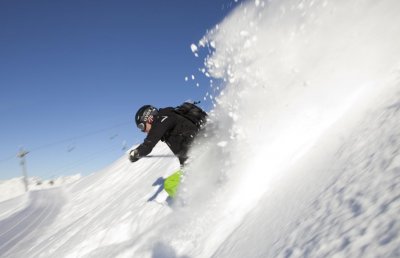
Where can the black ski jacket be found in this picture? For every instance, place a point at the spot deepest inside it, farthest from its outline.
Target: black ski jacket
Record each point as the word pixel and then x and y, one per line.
pixel 175 130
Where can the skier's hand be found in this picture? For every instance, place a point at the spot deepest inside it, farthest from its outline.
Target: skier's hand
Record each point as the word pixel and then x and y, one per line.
pixel 134 155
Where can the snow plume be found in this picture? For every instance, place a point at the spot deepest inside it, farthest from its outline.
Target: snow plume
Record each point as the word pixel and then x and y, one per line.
pixel 290 69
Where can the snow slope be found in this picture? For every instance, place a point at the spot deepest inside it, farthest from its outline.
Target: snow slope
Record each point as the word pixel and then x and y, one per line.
pixel 341 201
pixel 300 157
pixel 94 214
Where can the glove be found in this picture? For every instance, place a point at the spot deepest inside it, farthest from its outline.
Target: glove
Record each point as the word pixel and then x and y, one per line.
pixel 134 155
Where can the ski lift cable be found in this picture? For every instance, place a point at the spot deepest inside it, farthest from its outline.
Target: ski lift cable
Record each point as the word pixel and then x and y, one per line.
pixel 47 145
pixel 78 137
pixel 77 163
pixel 8 158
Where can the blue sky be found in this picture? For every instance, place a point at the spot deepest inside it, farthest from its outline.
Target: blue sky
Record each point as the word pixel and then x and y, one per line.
pixel 73 74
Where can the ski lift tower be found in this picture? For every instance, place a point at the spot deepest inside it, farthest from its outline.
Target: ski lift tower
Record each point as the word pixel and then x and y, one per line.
pixel 22 155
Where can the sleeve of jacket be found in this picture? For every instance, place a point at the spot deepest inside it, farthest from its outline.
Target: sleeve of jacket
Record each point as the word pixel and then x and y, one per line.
pixel 160 126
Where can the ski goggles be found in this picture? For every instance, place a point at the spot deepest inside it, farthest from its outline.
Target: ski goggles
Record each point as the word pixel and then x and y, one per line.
pixel 142 126
pixel 144 118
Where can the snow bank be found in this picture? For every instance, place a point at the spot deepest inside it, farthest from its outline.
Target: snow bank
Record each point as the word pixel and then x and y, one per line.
pixel 357 215
pixel 340 200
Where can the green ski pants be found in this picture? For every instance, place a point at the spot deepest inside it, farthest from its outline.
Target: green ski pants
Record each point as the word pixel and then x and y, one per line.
pixel 172 182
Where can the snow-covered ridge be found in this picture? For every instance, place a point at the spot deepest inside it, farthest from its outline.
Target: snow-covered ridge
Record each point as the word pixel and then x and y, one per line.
pixel 15 187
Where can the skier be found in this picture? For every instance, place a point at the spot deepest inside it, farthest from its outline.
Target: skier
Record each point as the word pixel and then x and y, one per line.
pixel 177 127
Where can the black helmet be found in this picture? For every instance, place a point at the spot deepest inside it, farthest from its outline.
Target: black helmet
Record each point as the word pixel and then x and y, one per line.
pixel 143 114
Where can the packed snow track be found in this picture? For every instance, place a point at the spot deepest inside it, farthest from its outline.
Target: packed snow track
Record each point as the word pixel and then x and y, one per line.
pixel 24 225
